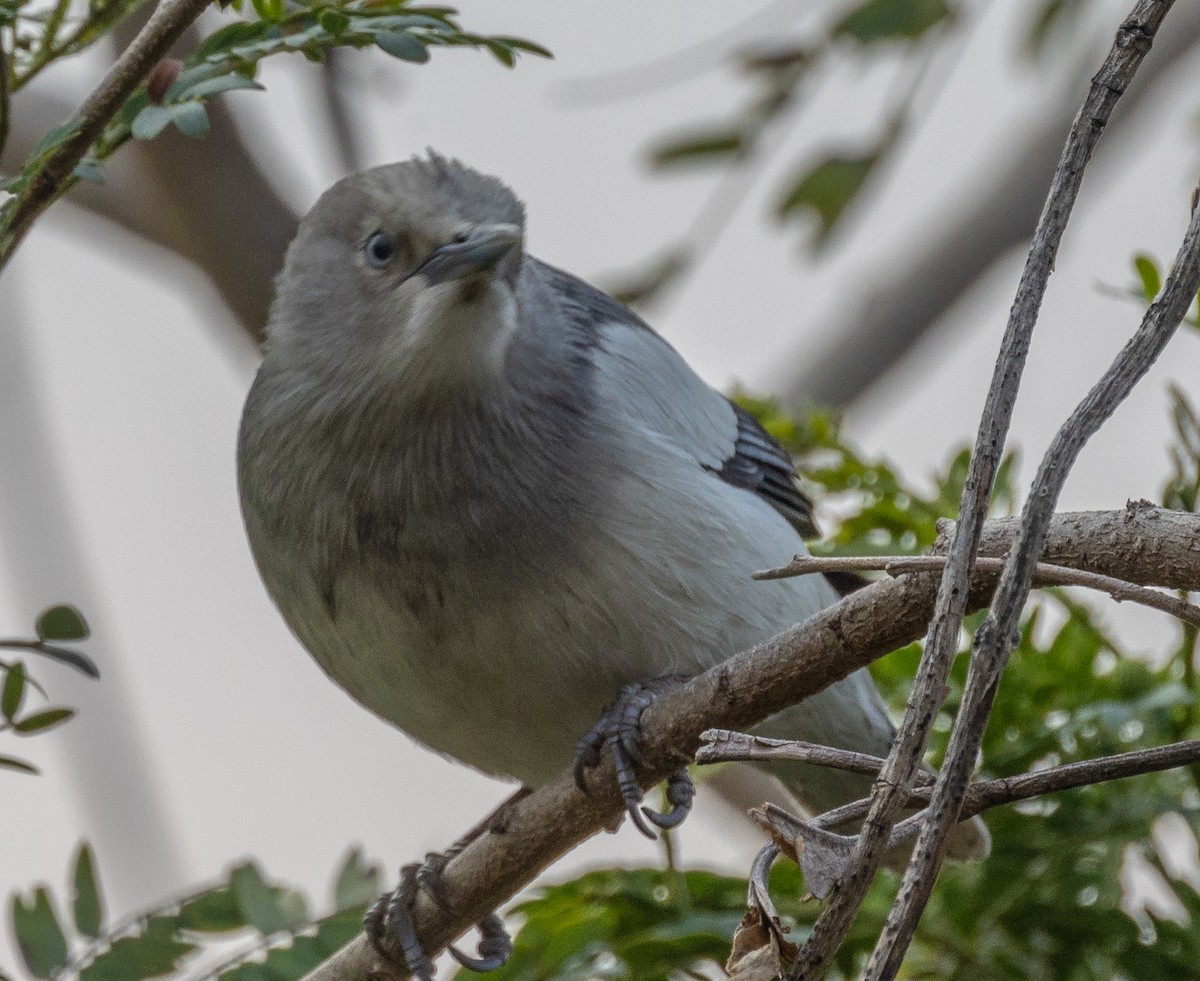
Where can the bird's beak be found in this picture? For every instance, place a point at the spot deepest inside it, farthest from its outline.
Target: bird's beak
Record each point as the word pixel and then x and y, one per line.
pixel 485 246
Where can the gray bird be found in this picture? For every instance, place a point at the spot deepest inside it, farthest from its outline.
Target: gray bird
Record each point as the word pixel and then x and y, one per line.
pixel 487 497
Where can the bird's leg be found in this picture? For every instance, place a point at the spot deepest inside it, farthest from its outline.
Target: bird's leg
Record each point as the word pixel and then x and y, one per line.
pixel 619 729
pixel 389 921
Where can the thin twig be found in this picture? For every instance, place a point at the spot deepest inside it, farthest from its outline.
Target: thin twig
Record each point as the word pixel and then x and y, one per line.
pixel 996 639
pixel 728 746
pixel 829 931
pixel 165 26
pixel 1044 574
pixel 983 795
pixel 1145 544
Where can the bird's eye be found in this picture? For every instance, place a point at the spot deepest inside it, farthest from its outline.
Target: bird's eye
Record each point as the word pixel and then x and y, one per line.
pixel 380 249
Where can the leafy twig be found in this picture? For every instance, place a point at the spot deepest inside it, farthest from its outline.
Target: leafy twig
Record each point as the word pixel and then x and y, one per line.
pixel 164 27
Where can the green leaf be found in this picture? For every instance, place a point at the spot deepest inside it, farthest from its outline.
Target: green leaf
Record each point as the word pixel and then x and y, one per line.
pixel 13 692
pixel 356 883
pixel 698 148
pixel 62 623
pixel 521 44
pixel 1149 274
pixel 221 42
pixel 827 189
pixel 269 909
pixel 40 939
pixel 42 720
pixel 155 951
pixel 12 763
pixel 334 21
pixel 215 911
pixel 87 908
pixel 152 120
pixel 74 659
pixel 191 119
pixel 56 136
pixel 886 20
pixel 401 45
pixel 335 932
pixel 215 86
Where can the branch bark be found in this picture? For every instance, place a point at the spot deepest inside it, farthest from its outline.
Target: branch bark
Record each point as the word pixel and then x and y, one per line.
pixel 743 691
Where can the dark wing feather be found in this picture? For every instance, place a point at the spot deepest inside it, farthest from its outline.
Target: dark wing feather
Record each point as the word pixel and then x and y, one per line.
pixel 760 464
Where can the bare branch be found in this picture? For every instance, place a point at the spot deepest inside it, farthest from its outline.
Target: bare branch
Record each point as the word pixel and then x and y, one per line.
pixel 163 29
pixel 728 746
pixel 1129 48
pixel 996 638
pixel 739 694
pixel 1044 574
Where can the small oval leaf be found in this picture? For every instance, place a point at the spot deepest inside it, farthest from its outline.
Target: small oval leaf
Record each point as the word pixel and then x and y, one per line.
pixel 12 763
pixel 87 908
pixel 42 721
pixel 62 622
pixel 191 118
pixel 13 692
pixel 40 939
pixel 401 45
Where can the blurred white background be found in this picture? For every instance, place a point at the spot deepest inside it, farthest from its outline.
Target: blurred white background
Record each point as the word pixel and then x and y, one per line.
pixel 122 376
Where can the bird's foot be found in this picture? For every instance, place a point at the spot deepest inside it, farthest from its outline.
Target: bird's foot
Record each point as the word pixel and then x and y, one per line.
pixel 391 931
pixel 619 729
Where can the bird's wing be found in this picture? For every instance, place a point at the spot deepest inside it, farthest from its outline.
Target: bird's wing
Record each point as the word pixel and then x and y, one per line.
pixel 646 378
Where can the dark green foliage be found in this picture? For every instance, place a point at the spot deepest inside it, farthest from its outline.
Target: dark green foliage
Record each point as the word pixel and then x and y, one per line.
pixel 277 938
pixel 86 907
pixel 60 623
pixel 39 935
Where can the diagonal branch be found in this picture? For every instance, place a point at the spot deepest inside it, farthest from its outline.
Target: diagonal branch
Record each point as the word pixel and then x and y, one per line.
pixel 1143 544
pixel 1129 48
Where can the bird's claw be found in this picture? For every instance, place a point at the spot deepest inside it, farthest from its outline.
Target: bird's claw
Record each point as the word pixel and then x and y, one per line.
pixel 495 947
pixel 392 933
pixel 390 929
pixel 619 729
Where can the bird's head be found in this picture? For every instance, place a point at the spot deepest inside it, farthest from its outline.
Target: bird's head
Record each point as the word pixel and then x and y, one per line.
pixel 404 278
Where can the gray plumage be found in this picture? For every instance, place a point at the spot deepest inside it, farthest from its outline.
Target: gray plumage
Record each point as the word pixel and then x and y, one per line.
pixel 486 495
